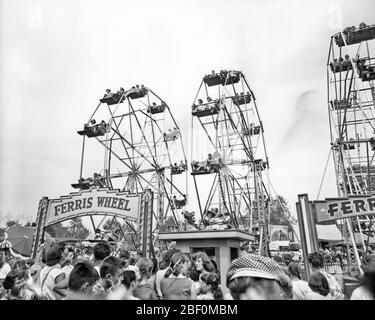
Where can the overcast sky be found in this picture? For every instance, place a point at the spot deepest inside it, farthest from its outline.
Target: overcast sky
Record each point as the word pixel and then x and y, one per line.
pixel 57 57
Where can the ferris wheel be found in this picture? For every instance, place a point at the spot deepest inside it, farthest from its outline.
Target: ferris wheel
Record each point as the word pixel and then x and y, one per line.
pixel 351 95
pixel 143 149
pixel 233 166
pixel 351 102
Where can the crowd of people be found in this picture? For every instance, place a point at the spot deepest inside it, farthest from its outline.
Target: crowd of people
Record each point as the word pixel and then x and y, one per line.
pixel 59 273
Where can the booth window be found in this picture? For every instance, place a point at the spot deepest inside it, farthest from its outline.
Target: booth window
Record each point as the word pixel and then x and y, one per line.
pixel 233 253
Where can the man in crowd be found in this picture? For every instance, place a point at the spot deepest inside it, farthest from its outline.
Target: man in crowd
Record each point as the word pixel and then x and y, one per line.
pixel 101 251
pixel 81 281
pixel 110 271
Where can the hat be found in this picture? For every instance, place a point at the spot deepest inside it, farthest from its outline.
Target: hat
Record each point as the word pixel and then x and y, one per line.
pixel 257 266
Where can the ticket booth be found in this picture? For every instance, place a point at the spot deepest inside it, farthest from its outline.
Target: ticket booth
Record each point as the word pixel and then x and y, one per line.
pixel 222 246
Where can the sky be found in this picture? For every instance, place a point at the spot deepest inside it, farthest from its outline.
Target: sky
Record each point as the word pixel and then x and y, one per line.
pixel 58 57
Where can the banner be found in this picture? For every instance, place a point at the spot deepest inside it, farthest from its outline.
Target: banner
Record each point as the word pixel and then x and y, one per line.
pixel 278 232
pixel 342 208
pixel 91 202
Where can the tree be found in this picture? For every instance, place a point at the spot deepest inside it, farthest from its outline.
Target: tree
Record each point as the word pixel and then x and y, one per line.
pixel 12 223
pixel 280 213
pixel 77 229
pixel 58 231
pixel 169 224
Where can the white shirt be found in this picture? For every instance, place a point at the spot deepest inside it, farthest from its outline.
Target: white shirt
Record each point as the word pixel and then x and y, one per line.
pixel 159 276
pixel 97 268
pixel 5 269
pixel 361 293
pixel 47 279
pixel 301 290
pixel 67 270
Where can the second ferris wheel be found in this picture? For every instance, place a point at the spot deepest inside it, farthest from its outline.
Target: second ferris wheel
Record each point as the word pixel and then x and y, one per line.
pixel 225 109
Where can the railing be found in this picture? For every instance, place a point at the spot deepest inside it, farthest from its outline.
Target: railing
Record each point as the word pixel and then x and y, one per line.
pixel 334 267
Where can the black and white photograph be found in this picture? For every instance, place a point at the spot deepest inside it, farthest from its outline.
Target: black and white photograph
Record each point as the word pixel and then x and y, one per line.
pixel 187 150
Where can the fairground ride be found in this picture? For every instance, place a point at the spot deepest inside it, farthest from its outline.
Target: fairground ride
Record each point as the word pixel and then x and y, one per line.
pixel 351 101
pixel 143 149
pixel 236 164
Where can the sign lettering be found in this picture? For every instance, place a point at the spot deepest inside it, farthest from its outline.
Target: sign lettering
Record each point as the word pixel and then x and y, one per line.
pixel 94 201
pixel 334 209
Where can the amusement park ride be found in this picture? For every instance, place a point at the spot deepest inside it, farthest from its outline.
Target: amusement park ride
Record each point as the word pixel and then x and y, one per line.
pixel 225 108
pixel 351 102
pixel 144 153
pixel 142 142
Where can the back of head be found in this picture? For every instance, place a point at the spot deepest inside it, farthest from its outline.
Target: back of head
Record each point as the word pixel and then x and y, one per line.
pixel 124 254
pixel 11 278
pixel 317 260
pixel 287 258
pixel 101 251
pixel 213 280
pixel 294 269
pixel 82 273
pixel 54 255
pixel 145 267
pixel 111 265
pixel 128 276
pixel 20 265
pixel 168 255
pixel 319 283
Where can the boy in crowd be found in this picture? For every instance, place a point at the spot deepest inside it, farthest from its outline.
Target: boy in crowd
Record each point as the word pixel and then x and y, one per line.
pixel 110 271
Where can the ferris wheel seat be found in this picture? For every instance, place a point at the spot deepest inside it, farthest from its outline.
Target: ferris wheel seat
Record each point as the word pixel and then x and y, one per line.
pixel 252 131
pixel 205 171
pixel 177 171
pixel 156 109
pixel 230 80
pixel 137 94
pixel 368 76
pixel 340 104
pixel 341 67
pixel 208 111
pixel 94 131
pixel 82 185
pixel 356 35
pixel 115 99
pixel 349 147
pixel 242 99
pixel 212 80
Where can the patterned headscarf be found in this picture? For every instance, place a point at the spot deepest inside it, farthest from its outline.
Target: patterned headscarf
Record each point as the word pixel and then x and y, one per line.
pixel 257 266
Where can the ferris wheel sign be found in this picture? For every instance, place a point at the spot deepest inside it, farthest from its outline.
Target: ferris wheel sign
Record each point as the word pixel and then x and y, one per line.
pixel 342 208
pixel 91 202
